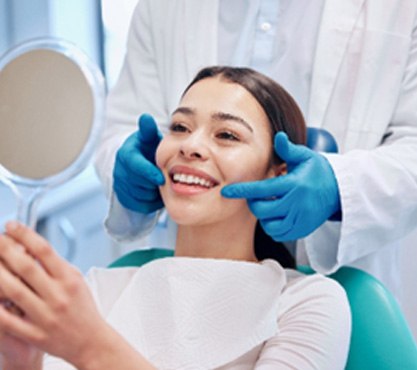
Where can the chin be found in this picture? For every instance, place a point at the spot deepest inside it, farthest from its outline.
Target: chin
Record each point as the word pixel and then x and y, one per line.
pixel 188 216
pixel 202 210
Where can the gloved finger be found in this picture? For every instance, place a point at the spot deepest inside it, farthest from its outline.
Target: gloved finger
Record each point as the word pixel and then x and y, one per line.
pixel 141 195
pixel 139 165
pixel 282 206
pixel 144 195
pixel 274 187
pixel 139 183
pixel 138 205
pixel 148 129
pixel 290 153
pixel 143 206
pixel 269 208
pixel 134 163
pixel 137 193
pixel 279 228
pixel 133 179
pixel 151 207
pixel 149 136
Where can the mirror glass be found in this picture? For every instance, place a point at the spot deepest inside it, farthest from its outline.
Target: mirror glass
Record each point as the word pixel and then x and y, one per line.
pixel 51 108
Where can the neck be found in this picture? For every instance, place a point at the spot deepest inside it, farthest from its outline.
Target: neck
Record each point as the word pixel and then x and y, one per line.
pixel 225 241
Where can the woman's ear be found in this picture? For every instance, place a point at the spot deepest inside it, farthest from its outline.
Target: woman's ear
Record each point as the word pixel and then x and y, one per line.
pixel 277 170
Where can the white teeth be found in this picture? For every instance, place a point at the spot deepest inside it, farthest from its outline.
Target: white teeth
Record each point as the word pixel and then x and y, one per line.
pixel 190 179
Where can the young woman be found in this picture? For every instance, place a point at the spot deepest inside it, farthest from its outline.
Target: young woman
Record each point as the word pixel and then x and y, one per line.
pixel 217 304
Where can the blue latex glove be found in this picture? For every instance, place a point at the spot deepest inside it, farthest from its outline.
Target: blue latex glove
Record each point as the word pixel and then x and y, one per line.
pixel 292 206
pixel 136 177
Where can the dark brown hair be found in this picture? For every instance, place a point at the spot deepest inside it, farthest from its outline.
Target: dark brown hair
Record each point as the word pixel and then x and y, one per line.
pixel 283 114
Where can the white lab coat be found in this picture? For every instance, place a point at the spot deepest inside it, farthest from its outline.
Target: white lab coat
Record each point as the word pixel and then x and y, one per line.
pixel 364 91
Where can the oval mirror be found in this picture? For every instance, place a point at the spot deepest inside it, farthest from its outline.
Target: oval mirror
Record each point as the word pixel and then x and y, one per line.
pixel 51 110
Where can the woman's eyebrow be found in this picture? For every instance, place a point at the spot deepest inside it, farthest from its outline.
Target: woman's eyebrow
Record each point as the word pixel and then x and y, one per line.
pixel 184 110
pixel 222 116
pixel 217 116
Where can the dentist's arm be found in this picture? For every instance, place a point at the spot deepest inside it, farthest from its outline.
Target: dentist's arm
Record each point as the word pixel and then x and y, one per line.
pixel 291 206
pixel 139 89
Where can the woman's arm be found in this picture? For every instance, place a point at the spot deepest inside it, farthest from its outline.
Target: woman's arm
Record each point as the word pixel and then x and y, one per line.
pixel 60 316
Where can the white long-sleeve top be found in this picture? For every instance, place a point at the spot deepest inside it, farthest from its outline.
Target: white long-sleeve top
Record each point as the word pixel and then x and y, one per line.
pixel 189 313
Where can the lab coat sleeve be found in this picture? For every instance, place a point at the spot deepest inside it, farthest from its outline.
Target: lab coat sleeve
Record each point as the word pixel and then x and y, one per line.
pixel 378 187
pixel 314 327
pixel 125 225
pixel 137 91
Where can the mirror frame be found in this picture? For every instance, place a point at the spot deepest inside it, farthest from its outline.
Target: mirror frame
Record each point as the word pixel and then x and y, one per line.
pixel 94 79
pixel 28 191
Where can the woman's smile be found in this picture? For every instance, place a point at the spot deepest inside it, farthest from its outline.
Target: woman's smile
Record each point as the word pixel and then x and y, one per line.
pixel 189 181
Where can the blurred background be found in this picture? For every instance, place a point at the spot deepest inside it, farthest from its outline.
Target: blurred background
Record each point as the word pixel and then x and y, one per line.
pixel 71 216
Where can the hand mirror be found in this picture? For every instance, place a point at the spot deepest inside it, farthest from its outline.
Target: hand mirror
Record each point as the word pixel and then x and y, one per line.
pixel 51 109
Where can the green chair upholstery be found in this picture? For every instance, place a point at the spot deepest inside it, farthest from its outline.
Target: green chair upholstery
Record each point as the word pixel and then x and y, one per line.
pixel 138 258
pixel 381 338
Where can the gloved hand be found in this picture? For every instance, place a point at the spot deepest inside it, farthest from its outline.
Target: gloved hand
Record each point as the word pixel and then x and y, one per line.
pixel 135 176
pixel 293 205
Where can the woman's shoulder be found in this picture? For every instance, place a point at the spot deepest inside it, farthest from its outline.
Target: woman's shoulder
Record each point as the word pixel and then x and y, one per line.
pixel 297 280
pixel 299 283
pixel 317 288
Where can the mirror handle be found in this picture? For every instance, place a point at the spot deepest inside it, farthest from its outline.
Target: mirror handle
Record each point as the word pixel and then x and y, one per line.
pixel 27 203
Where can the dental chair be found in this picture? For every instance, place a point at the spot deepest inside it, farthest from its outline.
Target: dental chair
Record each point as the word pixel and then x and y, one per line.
pixel 381 338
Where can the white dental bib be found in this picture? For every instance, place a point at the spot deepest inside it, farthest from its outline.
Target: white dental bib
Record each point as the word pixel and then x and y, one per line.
pixel 191 313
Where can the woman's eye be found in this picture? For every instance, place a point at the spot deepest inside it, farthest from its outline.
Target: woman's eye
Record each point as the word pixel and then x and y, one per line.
pixel 227 135
pixel 177 127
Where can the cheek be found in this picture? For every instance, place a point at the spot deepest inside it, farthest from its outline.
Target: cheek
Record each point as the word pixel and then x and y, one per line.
pixel 253 166
pixel 162 153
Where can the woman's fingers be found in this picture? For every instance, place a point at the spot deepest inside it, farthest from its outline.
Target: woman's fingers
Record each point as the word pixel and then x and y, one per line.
pixel 52 294
pixel 16 326
pixel 23 265
pixel 19 297
pixel 11 307
pixel 37 247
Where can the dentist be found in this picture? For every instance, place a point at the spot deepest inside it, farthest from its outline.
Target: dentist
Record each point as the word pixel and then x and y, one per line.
pixel 352 68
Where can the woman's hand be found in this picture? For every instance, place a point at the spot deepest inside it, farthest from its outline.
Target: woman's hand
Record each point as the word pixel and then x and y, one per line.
pixel 59 314
pixel 16 354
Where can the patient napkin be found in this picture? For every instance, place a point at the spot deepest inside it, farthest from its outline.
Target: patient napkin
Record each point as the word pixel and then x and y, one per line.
pixel 192 313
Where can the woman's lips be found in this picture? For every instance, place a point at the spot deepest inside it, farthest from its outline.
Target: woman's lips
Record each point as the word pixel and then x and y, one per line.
pixel 189 181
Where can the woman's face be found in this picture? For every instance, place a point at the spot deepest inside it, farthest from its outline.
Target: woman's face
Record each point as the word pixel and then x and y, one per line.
pixel 219 135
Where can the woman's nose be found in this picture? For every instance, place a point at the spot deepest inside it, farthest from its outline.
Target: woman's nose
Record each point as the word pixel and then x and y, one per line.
pixel 194 147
